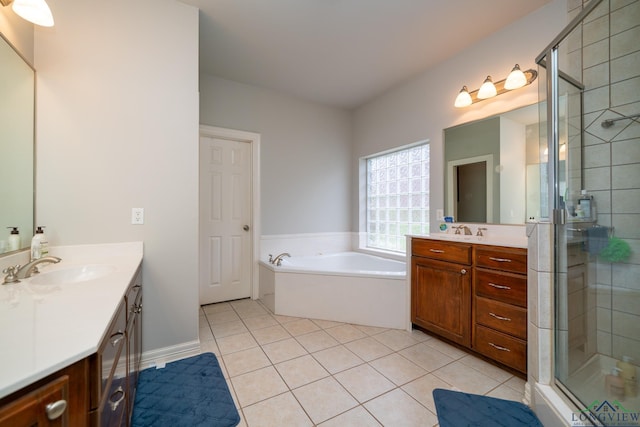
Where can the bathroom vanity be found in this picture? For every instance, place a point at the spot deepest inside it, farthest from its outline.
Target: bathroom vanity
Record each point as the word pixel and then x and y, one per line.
pixel 72 353
pixel 473 294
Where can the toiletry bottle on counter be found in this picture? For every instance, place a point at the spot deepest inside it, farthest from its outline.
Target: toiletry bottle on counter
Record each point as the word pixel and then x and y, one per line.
pixel 585 202
pixel 39 244
pixel 628 374
pixel 14 239
pixel 614 384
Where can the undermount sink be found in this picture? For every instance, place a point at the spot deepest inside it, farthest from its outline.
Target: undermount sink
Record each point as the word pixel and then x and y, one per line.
pixel 74 274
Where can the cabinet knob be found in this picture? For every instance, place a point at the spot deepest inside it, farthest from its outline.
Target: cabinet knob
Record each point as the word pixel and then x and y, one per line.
pixel 56 409
pixel 463 271
pixel 116 398
pixel 116 338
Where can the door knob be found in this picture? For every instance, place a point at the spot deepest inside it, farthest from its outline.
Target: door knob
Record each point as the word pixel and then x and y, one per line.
pixel 245 228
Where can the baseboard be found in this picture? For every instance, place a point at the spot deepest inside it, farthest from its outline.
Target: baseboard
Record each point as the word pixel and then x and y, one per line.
pixel 160 356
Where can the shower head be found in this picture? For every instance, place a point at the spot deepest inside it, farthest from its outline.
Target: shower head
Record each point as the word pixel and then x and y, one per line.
pixel 607 123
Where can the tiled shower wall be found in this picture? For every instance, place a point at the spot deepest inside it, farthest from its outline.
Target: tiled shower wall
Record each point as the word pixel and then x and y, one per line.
pixel 611 167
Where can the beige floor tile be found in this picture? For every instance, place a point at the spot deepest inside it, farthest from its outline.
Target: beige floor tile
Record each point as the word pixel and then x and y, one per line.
pixel 398 369
pixel 216 308
pixel 397 408
pixel 422 390
pixel 395 339
pixel 205 334
pixel 300 327
pixel 285 319
pixel 247 312
pixel 301 371
pixel 245 361
pixel 258 385
pixel 426 357
pixel 222 317
pixel 465 379
pixel 209 347
pixel 324 324
pixel 371 330
pixel 486 368
pixel 503 391
pixel 316 341
pixel 420 336
pixel 337 359
pixel 221 330
pixel 280 351
pixel 345 333
pixel 324 399
pixel 270 334
pixel 279 411
pixel 516 383
pixel 445 348
pixel 260 322
pixel 368 349
pixel 234 343
pixel 364 382
pixel 356 417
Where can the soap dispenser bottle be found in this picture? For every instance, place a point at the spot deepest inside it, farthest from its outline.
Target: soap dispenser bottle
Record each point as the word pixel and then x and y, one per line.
pixel 39 244
pixel 586 203
pixel 614 384
pixel 628 374
pixel 14 239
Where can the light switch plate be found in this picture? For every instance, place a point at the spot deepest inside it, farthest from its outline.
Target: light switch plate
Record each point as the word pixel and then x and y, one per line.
pixel 137 216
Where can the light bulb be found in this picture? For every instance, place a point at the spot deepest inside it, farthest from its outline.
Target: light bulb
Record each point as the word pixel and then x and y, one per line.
pixel 36 11
pixel 488 89
pixel 463 99
pixel 516 79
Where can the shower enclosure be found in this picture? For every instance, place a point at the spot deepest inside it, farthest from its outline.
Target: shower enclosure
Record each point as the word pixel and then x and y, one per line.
pixel 590 140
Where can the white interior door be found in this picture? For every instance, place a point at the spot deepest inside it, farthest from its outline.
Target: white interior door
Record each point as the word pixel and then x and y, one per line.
pixel 225 219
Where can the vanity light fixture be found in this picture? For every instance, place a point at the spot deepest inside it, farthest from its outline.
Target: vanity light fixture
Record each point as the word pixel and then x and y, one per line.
pixel 35 11
pixel 516 79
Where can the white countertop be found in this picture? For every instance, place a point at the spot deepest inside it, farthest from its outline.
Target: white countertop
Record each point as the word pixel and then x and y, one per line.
pixel 514 236
pixel 44 328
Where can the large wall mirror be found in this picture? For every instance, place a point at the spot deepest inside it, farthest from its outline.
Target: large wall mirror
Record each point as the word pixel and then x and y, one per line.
pixel 17 112
pixel 485 167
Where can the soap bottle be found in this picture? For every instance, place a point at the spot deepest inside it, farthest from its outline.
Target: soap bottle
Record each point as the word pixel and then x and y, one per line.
pixel 628 374
pixel 586 202
pixel 14 239
pixel 39 244
pixel 614 384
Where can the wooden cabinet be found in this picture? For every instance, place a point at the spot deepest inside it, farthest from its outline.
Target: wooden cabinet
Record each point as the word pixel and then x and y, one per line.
pixel 441 289
pixel 96 391
pixel 500 305
pixel 473 295
pixel 59 399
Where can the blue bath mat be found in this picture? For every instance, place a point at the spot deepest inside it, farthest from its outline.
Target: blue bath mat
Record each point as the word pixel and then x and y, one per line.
pixel 457 409
pixel 188 392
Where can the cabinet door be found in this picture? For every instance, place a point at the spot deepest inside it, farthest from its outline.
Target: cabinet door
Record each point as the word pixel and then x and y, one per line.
pixel 46 406
pixel 441 298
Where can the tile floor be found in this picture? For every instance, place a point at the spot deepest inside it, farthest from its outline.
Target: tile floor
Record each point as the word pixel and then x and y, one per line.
pixel 289 371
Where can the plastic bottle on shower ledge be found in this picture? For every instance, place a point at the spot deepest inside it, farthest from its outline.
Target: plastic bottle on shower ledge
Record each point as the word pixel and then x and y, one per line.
pixel 614 384
pixel 628 375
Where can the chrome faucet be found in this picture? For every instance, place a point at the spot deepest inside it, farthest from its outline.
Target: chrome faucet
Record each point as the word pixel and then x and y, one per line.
pixel 15 273
pixel 278 259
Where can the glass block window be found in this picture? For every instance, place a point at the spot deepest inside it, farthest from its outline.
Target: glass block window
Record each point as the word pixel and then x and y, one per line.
pixel 397 197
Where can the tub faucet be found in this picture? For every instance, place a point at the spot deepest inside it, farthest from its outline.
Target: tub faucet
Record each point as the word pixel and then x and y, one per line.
pixel 278 260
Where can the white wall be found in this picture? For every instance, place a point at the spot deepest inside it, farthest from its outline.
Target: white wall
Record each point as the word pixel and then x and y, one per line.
pixel 117 127
pixel 18 31
pixel 305 150
pixel 421 108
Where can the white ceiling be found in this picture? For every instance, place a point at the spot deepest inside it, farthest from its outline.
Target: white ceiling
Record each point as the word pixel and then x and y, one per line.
pixel 341 52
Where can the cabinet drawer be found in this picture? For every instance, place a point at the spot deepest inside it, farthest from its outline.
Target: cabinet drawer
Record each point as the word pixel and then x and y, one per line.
pixel 441 250
pixel 133 296
pixel 504 287
pixel 105 360
pixel 501 347
pixel 503 317
pixel 503 259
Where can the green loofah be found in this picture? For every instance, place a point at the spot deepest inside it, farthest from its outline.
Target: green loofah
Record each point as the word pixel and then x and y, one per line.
pixel 616 251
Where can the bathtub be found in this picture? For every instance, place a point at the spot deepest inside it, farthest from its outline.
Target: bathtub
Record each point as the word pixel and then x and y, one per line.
pixel 348 287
